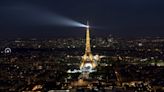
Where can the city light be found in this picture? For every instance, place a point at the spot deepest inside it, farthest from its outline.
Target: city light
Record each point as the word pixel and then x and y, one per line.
pixel 47 53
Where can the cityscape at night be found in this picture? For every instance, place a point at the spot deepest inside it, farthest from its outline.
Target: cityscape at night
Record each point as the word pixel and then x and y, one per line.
pixel 44 65
pixel 81 46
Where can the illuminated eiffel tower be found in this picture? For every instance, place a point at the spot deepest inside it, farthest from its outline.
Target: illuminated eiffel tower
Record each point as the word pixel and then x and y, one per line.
pixel 87 57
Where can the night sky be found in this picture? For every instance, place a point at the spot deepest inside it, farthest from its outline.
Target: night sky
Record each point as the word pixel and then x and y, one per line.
pixel 127 18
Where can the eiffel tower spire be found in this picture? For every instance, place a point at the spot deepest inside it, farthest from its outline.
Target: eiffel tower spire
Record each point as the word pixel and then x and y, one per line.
pixel 88 46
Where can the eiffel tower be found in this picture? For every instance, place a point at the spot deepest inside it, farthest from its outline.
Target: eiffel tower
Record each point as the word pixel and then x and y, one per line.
pixel 87 57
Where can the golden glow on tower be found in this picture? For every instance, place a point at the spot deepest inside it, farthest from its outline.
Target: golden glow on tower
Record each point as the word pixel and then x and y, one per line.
pixel 87 57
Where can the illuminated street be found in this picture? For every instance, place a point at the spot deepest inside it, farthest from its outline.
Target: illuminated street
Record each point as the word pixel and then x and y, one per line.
pixel 81 46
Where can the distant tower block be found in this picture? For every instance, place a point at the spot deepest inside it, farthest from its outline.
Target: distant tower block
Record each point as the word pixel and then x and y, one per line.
pixel 87 57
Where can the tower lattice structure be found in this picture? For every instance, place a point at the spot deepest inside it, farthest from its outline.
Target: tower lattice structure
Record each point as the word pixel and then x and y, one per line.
pixel 87 57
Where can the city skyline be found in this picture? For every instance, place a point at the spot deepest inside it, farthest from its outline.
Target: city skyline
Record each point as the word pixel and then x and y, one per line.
pixel 81 46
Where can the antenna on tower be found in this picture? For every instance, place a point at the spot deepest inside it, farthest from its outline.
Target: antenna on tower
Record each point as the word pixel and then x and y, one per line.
pixel 87 24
